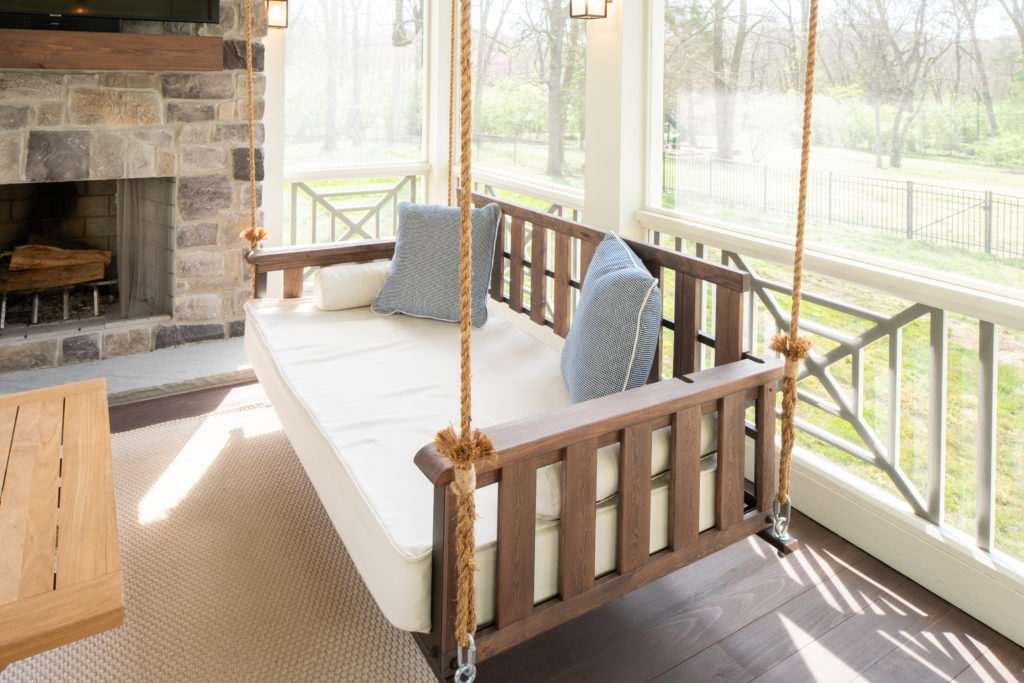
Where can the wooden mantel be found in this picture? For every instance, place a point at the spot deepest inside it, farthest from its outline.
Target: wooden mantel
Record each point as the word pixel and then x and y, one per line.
pixel 30 49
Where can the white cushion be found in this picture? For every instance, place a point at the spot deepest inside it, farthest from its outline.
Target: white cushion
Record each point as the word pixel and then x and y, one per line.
pixel 350 285
pixel 359 394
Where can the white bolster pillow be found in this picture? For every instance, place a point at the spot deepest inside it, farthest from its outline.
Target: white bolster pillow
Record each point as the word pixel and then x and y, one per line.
pixel 350 285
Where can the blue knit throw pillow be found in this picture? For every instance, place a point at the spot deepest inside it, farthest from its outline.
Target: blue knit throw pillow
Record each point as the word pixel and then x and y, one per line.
pixel 424 276
pixel 611 343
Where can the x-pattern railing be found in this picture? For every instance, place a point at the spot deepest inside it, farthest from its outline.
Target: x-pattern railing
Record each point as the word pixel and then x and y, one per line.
pixel 354 212
pixel 877 450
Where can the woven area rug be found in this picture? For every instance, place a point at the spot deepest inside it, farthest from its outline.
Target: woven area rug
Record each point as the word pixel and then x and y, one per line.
pixel 232 570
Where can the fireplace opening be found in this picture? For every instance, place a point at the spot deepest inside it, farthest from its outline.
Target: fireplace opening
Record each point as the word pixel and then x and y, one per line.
pixel 79 253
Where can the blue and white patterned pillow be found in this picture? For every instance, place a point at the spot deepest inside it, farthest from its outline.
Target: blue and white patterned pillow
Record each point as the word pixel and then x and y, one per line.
pixel 611 343
pixel 424 276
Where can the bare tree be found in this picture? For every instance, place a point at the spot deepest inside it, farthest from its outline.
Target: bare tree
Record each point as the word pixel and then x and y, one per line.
pixel 544 32
pixel 487 43
pixel 793 16
pixel 1015 10
pixel 330 144
pixel 967 15
pixel 896 50
pixel 726 63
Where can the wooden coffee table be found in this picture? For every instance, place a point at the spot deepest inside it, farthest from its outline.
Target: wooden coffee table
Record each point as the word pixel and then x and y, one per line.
pixel 60 571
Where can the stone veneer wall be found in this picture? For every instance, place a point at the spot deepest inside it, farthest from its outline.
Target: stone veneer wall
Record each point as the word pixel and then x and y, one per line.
pixel 190 126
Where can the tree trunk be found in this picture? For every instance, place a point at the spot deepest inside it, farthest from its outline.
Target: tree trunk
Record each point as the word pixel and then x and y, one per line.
pixel 331 86
pixel 355 127
pixel 723 122
pixel 555 40
pixel 878 134
pixel 986 92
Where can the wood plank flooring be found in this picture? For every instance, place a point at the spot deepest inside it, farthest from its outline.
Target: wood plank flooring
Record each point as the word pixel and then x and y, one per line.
pixel 829 612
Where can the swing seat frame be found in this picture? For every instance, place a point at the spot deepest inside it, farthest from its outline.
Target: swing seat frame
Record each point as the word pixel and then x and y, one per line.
pixel 738 382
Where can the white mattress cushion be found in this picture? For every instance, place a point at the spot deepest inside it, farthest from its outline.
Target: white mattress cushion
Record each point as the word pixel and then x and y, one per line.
pixel 360 394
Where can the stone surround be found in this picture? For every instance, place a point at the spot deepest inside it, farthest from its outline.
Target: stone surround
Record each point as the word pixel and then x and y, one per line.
pixel 187 126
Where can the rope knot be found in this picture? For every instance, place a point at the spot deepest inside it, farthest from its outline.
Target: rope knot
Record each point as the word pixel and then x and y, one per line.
pixel 464 450
pixel 793 350
pixel 254 235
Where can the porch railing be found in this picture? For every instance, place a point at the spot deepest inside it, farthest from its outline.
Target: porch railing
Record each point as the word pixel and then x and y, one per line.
pixel 335 205
pixel 898 392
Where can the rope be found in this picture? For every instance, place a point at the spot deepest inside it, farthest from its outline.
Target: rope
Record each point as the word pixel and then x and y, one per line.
pixel 792 346
pixel 470 445
pixel 253 234
pixel 451 102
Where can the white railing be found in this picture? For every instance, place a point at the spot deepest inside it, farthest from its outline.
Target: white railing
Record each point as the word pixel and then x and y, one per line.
pixel 560 200
pixel 338 204
pixel 858 426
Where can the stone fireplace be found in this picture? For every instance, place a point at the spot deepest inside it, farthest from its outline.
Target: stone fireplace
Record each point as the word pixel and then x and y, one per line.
pixel 181 137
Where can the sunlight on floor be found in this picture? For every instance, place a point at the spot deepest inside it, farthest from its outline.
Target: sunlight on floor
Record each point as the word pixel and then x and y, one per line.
pixel 901 643
pixel 814 651
pixel 194 459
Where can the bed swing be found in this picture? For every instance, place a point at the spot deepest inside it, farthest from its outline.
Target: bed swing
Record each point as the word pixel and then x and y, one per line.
pixel 580 503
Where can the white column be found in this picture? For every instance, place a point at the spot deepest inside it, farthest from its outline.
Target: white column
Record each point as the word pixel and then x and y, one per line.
pixel 273 146
pixel 617 54
pixel 435 103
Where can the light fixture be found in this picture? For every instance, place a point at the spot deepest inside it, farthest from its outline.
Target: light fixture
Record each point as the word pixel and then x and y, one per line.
pixel 588 9
pixel 277 13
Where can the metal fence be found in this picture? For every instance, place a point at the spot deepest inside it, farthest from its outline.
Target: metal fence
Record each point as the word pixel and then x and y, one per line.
pixel 975 220
pixel 531 153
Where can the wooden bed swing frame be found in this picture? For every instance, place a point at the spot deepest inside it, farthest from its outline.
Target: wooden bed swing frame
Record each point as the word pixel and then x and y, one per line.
pixel 573 434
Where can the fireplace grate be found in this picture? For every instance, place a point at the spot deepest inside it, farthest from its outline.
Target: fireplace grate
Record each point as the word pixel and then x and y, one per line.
pixel 66 290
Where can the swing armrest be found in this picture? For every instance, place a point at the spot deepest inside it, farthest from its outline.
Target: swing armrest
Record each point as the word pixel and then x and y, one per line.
pixel 540 437
pixel 288 258
pixel 294 260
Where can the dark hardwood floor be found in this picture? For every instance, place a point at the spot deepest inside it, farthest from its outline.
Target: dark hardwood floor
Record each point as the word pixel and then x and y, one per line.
pixel 830 612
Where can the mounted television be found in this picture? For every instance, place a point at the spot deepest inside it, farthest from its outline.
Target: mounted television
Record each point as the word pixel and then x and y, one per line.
pixel 102 15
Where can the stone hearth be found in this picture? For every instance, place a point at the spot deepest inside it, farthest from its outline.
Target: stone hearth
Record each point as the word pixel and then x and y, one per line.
pixel 189 127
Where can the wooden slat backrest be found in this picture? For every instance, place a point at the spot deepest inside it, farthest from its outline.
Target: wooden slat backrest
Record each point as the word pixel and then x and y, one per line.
pixel 690 278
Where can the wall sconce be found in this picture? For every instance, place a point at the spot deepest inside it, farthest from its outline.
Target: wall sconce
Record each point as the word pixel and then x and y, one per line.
pixel 588 9
pixel 277 13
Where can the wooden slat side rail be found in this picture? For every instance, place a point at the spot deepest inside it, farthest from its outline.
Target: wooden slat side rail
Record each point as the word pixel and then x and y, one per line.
pixel 286 258
pixel 684 483
pixel 497 288
pixel 538 274
pixel 515 278
pixel 563 275
pixel 28 502
pixel 576 553
pixel 764 447
pixel 444 593
pixel 561 428
pixel 731 454
pixel 88 522
pixel 728 326
pixel 634 509
pixel 587 250
pixel 517 518
pixel 687 349
pixel 657 274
